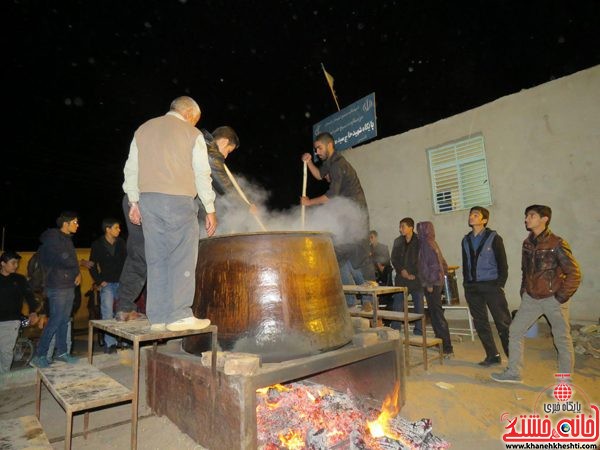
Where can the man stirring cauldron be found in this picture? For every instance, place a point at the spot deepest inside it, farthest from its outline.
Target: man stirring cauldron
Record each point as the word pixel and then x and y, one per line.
pixel 353 258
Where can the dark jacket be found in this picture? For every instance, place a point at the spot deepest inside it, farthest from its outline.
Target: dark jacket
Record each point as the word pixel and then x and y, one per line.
pixel 14 288
pixel 221 183
pixel 487 263
pixel 432 265
pixel 108 260
pixel 405 255
pixel 548 267
pixel 58 259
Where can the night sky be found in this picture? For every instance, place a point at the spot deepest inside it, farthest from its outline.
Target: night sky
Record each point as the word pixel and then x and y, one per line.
pixel 83 75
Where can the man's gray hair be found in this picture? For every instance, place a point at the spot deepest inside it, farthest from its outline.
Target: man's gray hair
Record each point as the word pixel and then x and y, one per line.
pixel 184 104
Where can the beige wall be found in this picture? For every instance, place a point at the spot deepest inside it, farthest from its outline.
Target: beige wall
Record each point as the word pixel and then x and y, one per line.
pixel 542 146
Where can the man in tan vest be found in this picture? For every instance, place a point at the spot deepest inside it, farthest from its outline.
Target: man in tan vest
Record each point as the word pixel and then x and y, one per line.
pixel 166 168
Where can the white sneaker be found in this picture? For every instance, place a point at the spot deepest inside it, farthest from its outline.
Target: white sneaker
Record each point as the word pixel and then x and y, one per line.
pixel 189 323
pixel 158 327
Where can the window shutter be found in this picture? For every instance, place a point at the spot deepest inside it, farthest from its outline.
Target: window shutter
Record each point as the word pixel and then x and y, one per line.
pixel 459 176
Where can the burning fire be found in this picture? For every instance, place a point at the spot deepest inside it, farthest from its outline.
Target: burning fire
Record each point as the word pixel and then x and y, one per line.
pixel 390 409
pixel 267 391
pixel 277 387
pixel 292 440
pixel 300 416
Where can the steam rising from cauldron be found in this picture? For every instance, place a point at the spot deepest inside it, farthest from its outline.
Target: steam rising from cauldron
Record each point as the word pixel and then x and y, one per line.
pixel 342 217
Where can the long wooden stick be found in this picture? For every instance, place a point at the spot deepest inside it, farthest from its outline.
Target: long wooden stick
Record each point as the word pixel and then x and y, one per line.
pixel 239 190
pixel 303 209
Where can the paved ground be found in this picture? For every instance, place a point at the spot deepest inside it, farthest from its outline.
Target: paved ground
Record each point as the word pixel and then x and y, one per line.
pixel 464 404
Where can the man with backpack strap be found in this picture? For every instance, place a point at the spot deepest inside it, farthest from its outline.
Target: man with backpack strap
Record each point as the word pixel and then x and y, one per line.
pixel 61 269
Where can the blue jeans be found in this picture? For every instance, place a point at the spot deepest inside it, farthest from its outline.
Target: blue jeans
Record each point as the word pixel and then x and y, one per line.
pixel 108 294
pixel 398 305
pixel 350 275
pixel 52 347
pixel 60 304
pixel 171 234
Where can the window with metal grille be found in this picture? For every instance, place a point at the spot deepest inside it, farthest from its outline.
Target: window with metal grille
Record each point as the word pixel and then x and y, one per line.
pixel 459 176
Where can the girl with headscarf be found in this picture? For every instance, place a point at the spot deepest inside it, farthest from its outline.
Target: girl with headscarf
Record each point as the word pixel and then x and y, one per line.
pixel 432 268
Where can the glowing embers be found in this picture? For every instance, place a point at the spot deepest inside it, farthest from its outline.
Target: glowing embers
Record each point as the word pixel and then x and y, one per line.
pixel 312 416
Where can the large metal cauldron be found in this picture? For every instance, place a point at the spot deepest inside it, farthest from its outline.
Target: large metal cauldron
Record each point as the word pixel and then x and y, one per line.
pixel 276 294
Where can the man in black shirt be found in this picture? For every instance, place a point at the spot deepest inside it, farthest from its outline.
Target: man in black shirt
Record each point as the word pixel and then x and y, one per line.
pixel 353 257
pixel 405 259
pixel 13 289
pixel 108 256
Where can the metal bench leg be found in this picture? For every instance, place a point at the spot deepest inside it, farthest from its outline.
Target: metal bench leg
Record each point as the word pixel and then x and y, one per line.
pixel 471 325
pixel 423 327
pixel 69 431
pixel 406 347
pixel 136 393
pixel 38 393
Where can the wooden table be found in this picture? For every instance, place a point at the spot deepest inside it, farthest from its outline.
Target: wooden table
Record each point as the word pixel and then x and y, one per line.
pixel 374 292
pixel 138 331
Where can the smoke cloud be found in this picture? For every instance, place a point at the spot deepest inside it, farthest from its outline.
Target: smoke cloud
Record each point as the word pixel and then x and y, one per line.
pixel 342 217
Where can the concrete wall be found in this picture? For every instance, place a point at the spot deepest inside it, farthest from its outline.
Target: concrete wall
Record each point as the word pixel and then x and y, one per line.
pixel 542 146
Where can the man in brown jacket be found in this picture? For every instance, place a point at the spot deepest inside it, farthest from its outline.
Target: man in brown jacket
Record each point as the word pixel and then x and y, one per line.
pixel 550 277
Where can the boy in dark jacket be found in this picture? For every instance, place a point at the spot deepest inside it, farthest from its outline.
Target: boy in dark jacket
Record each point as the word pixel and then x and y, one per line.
pixel 14 288
pixel 108 256
pixel 485 271
pixel 405 259
pixel 550 277
pixel 61 271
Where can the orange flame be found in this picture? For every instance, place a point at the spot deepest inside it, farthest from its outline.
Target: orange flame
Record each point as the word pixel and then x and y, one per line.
pixel 292 440
pixel 278 387
pixel 389 410
pixel 265 390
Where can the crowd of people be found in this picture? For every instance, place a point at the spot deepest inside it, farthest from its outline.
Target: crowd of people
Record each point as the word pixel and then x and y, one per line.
pixel 173 174
pixel 550 277
pixel 550 273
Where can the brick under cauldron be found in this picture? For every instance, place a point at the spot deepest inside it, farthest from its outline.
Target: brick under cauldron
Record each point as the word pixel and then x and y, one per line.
pixel 219 411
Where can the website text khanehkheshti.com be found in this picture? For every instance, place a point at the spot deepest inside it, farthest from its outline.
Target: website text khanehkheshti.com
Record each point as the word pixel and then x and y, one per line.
pixel 552 445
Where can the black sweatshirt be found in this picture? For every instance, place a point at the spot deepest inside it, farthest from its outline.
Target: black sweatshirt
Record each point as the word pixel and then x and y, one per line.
pixel 13 289
pixel 108 260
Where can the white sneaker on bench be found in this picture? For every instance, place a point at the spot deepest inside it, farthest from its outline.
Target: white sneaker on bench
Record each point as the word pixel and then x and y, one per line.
pixel 189 323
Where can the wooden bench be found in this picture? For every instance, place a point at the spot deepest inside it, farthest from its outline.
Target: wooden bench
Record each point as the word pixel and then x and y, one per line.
pixel 138 332
pixel 405 317
pixel 79 387
pixel 23 433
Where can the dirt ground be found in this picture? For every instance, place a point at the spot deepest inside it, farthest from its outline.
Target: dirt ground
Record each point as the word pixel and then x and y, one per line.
pixel 464 404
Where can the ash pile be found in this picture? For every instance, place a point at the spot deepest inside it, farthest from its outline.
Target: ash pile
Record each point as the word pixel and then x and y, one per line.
pixel 586 339
pixel 312 416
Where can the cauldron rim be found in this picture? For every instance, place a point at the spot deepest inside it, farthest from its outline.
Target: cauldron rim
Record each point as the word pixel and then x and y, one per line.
pixel 270 233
